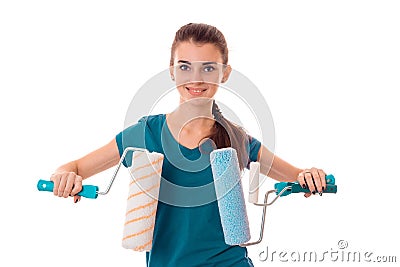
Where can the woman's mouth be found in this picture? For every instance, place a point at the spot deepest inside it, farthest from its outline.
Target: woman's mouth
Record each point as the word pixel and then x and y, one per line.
pixel 195 91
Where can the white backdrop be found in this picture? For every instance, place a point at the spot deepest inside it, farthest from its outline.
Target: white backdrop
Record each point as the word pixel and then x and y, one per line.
pixel 329 71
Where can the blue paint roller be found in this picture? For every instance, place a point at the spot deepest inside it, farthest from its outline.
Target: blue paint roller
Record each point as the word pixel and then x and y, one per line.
pixel 229 192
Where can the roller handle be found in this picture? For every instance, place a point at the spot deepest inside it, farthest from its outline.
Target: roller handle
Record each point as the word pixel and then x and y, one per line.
pixel 88 191
pixel 296 187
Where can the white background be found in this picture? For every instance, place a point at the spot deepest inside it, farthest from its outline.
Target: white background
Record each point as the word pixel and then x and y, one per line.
pixel 329 71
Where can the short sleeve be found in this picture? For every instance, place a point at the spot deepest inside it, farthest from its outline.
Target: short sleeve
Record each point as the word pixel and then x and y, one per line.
pixel 133 136
pixel 254 147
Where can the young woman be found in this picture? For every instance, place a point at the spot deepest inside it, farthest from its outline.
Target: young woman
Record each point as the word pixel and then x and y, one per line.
pixel 187 233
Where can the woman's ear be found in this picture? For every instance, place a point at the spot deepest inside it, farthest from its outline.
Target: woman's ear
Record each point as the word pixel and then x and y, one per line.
pixel 227 73
pixel 171 73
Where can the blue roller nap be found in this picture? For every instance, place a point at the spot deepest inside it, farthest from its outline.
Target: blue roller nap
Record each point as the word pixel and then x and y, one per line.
pixel 229 191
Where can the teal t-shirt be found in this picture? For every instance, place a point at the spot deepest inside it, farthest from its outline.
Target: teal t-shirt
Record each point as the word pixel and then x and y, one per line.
pixel 188 229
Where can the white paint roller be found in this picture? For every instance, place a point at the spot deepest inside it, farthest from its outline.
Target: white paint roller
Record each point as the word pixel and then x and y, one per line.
pixel 254 180
pixel 142 200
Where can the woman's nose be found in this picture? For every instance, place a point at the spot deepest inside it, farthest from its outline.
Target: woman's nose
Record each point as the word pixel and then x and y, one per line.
pixel 196 76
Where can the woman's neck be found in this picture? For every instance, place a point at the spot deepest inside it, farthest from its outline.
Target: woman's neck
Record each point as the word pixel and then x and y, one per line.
pixel 194 115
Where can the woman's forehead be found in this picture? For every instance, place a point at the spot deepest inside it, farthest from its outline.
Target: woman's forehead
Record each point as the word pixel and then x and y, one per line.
pixel 189 51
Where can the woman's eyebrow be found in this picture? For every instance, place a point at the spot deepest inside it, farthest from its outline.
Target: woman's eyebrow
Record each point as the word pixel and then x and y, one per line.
pixel 189 63
pixel 184 61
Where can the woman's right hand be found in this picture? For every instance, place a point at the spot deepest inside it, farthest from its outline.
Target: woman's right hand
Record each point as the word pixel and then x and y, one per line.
pixel 66 180
pixel 67 184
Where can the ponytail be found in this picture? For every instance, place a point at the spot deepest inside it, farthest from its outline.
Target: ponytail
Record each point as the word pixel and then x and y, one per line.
pixel 229 134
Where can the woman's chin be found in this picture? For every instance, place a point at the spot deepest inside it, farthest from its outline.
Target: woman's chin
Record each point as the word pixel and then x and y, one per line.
pixel 198 101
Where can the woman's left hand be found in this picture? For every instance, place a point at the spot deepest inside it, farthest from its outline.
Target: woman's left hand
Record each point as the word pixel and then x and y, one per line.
pixel 313 179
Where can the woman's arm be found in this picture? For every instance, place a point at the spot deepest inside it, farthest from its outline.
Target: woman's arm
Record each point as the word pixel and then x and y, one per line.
pixel 276 168
pixel 68 177
pixel 280 170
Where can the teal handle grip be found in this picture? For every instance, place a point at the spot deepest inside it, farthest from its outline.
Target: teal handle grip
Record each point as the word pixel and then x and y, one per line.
pixel 88 191
pixel 296 187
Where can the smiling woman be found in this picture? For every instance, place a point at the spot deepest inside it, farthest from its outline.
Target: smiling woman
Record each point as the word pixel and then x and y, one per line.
pixel 188 234
pixel 199 58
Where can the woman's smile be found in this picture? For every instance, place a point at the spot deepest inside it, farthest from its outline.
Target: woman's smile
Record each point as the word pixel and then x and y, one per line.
pixel 195 91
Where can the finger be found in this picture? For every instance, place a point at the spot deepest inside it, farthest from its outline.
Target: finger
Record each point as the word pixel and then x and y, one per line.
pixel 77 186
pixel 56 183
pixel 317 180
pixel 301 180
pixel 307 195
pixel 322 175
pixel 69 184
pixel 77 198
pixel 310 182
pixel 61 187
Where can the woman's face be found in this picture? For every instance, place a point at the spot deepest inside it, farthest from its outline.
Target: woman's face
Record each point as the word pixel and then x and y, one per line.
pixel 197 70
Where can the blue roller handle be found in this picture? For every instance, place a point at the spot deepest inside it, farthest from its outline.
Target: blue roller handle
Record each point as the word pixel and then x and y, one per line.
pixel 296 187
pixel 88 191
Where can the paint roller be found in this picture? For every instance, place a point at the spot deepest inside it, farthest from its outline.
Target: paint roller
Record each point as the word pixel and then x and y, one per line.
pixel 142 199
pixel 230 197
pixel 229 192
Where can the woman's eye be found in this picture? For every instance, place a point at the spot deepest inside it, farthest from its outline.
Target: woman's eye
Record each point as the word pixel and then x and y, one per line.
pixel 184 67
pixel 208 69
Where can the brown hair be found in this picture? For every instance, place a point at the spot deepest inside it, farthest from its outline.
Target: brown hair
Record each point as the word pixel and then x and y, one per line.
pixel 225 133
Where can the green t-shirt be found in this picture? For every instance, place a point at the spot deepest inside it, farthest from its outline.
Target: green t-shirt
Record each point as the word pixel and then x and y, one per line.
pixel 188 229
